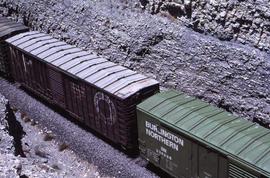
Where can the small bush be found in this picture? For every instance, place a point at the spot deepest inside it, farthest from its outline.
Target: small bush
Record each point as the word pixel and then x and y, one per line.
pixel 62 147
pixel 40 153
pixel 55 167
pixel 33 122
pixel 48 137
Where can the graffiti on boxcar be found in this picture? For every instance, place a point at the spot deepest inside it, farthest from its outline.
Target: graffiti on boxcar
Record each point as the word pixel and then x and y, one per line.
pixel 26 63
pixel 78 91
pixel 105 108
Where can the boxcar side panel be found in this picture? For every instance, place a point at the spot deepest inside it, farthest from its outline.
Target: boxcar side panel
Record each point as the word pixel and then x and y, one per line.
pixel 30 72
pixel 38 77
pixel 194 160
pixel 105 114
pixel 237 170
pixel 15 70
pixel 176 153
pixel 90 119
pixel 56 83
pixel 164 148
pixel 17 65
pixel 75 97
pixel 208 163
pixel 223 167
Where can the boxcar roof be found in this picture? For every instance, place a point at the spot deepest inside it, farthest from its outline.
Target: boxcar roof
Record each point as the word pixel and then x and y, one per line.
pixel 94 69
pixel 8 27
pixel 236 137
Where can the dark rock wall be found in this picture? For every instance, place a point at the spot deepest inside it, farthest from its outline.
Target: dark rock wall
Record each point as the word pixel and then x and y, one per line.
pixel 6 140
pixel 230 75
pixel 10 129
pixel 247 22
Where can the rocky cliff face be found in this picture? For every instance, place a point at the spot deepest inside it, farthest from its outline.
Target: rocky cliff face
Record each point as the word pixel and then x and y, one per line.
pixel 198 60
pixel 247 22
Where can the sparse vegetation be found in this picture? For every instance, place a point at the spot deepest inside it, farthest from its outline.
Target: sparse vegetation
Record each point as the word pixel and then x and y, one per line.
pixel 48 137
pixel 40 152
pixel 56 167
pixel 62 147
pixel 14 109
pixel 25 118
pixel 33 123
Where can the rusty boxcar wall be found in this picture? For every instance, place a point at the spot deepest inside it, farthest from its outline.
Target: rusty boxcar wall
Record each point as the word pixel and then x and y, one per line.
pixel 8 28
pixel 93 90
pixel 31 73
pixel 111 116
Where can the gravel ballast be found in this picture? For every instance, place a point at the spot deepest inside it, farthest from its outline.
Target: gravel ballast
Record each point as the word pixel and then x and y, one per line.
pixel 26 151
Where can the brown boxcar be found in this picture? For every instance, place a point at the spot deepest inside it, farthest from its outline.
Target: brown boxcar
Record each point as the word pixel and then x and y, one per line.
pixel 99 93
pixel 8 29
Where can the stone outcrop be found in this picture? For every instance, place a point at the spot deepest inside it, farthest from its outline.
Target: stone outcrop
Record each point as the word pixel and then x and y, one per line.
pixel 6 140
pixel 247 22
pixel 225 73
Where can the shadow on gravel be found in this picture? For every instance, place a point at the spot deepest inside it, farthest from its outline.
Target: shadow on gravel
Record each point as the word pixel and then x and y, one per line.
pixel 15 130
pixel 158 171
pixel 24 176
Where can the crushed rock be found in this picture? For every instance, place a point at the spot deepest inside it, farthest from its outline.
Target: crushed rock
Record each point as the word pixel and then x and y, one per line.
pixel 50 164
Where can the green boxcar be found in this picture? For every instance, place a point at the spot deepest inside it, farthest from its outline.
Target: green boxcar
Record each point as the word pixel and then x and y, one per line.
pixel 189 138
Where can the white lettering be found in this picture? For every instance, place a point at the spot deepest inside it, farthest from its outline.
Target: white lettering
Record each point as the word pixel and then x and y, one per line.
pixel 163 136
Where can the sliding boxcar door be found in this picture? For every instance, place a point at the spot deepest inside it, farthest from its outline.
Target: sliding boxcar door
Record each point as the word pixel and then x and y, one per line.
pixel 208 163
pixel 76 98
pixel 57 87
pixel 37 74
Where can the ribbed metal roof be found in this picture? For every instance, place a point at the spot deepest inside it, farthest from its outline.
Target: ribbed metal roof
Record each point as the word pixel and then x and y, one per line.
pixel 94 69
pixel 237 137
pixel 8 27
